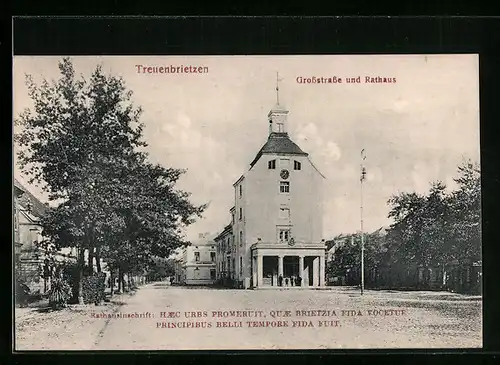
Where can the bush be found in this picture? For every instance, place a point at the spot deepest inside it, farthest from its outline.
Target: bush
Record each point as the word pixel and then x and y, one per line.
pixel 59 294
pixel 93 288
pixel 93 285
pixel 70 275
pixel 22 293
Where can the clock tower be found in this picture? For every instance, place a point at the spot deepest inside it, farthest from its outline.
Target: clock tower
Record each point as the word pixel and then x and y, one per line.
pixel 277 222
pixel 277 119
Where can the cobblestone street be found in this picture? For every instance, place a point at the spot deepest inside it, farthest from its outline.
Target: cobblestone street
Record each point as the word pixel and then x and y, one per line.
pixel 267 319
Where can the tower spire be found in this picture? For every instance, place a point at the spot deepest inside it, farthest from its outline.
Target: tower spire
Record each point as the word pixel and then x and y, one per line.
pixel 277 115
pixel 278 88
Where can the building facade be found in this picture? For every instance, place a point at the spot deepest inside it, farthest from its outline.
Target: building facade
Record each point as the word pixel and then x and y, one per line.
pixel 277 218
pixel 31 261
pixel 15 221
pixel 196 264
pixel 225 248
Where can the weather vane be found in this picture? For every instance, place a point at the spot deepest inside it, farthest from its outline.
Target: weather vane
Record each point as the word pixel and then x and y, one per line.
pixel 277 88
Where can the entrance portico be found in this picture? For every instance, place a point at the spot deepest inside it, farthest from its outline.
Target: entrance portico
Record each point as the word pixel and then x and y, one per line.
pixel 299 265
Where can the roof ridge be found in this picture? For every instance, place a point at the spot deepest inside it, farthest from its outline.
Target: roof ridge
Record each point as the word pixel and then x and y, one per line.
pixel 279 142
pixel 39 207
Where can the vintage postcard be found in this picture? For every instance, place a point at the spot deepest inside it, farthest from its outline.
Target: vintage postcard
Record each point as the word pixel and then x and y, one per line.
pixel 247 202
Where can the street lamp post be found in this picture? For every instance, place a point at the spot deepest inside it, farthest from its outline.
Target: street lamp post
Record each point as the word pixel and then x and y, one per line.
pixel 362 178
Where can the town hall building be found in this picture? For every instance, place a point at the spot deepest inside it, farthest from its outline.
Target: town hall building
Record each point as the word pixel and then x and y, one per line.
pixel 277 217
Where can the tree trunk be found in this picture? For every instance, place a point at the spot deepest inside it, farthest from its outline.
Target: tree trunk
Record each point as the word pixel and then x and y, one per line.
pixel 81 263
pixel 444 277
pixel 112 282
pixel 91 260
pixel 120 286
pixel 129 281
pixel 124 283
pixel 98 259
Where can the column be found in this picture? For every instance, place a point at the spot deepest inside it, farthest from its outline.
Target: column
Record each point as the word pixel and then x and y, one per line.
pixel 316 271
pixel 322 271
pixel 254 271
pixel 280 265
pixel 260 268
pixel 301 270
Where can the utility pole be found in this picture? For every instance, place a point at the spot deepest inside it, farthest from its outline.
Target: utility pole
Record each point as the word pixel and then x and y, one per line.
pixel 361 179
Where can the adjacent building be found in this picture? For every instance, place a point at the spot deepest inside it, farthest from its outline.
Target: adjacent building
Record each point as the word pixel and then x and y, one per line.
pixel 225 250
pixel 275 236
pixel 30 259
pixel 196 264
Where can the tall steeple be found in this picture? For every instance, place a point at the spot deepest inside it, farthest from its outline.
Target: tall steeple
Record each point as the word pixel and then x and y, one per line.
pixel 278 88
pixel 278 114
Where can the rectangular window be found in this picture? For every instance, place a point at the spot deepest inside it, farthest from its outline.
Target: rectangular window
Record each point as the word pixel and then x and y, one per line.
pixel 281 127
pixel 284 213
pixel 271 165
pixel 212 274
pixel 212 256
pixel 241 237
pixel 232 218
pixel 296 165
pixel 197 256
pixel 241 190
pixel 284 162
pixel 284 235
pixel 241 213
pixel 241 266
pixel 284 187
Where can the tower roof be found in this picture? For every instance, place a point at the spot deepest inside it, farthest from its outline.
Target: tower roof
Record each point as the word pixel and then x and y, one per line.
pixel 278 108
pixel 279 143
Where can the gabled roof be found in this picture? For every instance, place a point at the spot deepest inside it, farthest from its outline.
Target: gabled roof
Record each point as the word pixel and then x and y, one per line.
pixel 37 208
pixel 227 230
pixel 382 231
pixel 278 143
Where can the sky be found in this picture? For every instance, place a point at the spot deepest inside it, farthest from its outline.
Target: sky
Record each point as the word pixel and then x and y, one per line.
pixel 414 131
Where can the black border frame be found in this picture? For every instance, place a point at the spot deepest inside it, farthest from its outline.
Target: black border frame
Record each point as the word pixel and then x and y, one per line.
pixel 300 35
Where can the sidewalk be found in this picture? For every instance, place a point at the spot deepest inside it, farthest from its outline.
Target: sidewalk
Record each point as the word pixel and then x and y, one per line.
pixel 390 294
pixel 69 328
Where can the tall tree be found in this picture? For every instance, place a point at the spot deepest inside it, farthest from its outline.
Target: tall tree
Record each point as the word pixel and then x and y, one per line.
pixel 466 212
pixel 83 143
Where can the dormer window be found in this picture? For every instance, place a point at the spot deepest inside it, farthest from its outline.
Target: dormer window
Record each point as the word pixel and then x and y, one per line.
pixel 271 165
pixel 297 165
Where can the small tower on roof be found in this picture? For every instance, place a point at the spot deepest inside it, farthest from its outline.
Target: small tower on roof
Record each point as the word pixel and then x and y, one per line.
pixel 278 114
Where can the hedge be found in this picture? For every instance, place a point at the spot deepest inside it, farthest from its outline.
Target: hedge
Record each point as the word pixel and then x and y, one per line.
pixel 93 286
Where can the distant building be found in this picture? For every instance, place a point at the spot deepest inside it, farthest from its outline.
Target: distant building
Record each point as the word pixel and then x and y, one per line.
pixel 29 257
pixel 196 263
pixel 330 255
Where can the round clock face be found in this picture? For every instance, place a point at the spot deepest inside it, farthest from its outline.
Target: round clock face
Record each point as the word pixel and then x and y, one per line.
pixel 284 174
